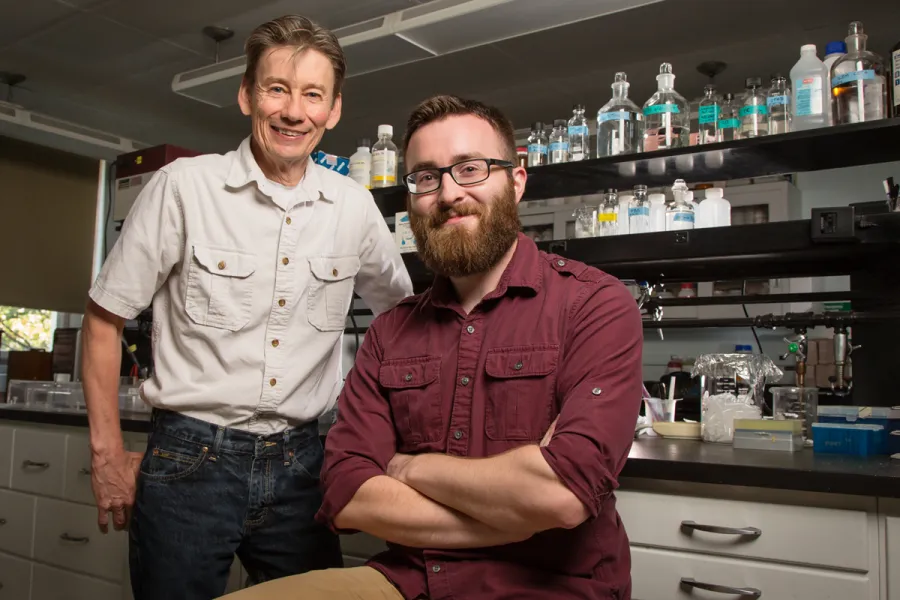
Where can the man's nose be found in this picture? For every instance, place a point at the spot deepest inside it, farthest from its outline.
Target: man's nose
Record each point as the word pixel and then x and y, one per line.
pixel 451 192
pixel 294 110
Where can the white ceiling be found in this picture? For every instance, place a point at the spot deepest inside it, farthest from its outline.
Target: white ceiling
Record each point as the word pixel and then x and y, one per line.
pixel 108 64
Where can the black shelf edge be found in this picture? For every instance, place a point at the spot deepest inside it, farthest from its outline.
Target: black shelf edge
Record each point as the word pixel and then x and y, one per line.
pixel 801 151
pixel 758 299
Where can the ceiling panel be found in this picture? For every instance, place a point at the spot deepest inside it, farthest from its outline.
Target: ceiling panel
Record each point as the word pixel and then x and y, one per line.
pixel 21 19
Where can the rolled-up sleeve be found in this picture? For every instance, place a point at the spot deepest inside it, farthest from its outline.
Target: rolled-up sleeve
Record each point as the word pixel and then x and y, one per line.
pixel 600 386
pixel 150 245
pixel 363 440
pixel 382 280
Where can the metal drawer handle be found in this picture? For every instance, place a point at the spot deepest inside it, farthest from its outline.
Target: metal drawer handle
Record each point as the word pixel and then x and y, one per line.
pixel 30 464
pixel 75 540
pixel 753 532
pixel 84 471
pixel 2 522
pixel 747 592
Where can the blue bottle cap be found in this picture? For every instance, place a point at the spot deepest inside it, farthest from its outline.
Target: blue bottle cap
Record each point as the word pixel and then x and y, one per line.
pixel 743 348
pixel 835 48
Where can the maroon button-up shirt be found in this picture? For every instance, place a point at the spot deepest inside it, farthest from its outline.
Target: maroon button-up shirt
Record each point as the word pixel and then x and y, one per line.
pixel 555 338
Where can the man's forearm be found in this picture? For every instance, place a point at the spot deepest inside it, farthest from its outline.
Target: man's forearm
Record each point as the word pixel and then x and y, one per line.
pixel 101 360
pixel 393 511
pixel 516 491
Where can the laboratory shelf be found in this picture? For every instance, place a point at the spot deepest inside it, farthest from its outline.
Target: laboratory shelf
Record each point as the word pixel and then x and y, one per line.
pixel 818 149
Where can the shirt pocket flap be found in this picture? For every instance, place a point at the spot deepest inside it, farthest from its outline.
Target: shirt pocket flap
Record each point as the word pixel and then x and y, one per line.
pixel 522 361
pixel 229 263
pixel 409 373
pixel 334 268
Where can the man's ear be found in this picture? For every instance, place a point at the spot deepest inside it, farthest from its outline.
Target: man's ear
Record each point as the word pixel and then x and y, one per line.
pixel 335 115
pixel 245 94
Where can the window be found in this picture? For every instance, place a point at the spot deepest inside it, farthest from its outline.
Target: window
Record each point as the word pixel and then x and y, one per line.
pixel 26 328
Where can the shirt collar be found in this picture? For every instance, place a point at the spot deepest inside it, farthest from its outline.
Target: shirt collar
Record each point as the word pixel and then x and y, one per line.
pixel 522 273
pixel 245 170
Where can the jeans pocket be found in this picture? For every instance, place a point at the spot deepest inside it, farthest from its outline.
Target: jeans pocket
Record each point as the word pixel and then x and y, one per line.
pixel 169 458
pixel 307 459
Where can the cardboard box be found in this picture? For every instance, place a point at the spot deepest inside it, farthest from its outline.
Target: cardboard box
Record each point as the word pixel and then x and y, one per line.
pixel 336 163
pixel 826 352
pixel 403 234
pixel 812 352
pixel 810 379
pixel 823 372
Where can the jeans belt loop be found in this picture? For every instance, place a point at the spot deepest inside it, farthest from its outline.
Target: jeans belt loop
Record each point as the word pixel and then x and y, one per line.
pixel 217 444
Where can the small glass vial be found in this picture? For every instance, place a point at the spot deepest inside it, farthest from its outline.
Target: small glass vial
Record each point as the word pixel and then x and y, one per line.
pixel 657 212
pixel 680 214
pixel 778 105
pixel 667 118
pixel 384 159
pixel 537 145
pixel 639 211
pixel 729 123
pixel 579 135
pixel 858 81
pixel 608 214
pixel 620 123
pixel 708 116
pixel 559 143
pixel 754 113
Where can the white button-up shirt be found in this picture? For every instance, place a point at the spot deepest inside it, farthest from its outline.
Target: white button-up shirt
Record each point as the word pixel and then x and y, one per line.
pixel 250 283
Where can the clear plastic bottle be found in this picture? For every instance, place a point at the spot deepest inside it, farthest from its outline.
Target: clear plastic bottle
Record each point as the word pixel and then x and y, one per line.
pixel 361 163
pixel 667 120
pixel 559 143
pixel 579 135
pixel 778 104
pixel 657 212
pixel 708 116
pixel 679 214
pixel 384 159
pixel 714 211
pixel 729 123
pixel 608 215
pixel 895 75
pixel 833 51
pixel 620 123
pixel 624 205
pixel 537 145
pixel 809 78
pixel 754 113
pixel 858 84
pixel 639 211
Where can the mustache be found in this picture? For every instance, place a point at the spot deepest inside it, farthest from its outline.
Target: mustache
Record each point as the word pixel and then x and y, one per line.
pixel 445 213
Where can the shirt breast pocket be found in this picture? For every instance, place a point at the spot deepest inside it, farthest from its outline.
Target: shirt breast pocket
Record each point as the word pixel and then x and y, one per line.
pixel 413 390
pixel 331 291
pixel 220 287
pixel 520 386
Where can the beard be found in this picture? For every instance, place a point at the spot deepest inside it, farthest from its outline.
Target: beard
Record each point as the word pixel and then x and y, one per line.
pixel 456 251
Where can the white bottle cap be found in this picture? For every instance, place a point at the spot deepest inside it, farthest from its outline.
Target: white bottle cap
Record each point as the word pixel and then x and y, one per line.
pixel 657 198
pixel 689 196
pixel 713 193
pixel 808 48
pixel 385 130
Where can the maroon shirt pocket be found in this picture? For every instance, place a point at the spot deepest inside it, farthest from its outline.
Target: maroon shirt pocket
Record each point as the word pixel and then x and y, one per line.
pixel 412 387
pixel 520 388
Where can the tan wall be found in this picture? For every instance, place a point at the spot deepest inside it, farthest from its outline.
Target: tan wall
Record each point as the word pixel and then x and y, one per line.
pixel 47 206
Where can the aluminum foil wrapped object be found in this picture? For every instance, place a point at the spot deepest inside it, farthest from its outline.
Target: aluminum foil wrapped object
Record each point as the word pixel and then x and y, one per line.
pixel 754 369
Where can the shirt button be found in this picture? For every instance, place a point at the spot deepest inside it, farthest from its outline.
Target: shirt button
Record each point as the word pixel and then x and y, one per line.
pixel 281 302
pixel 272 382
pixel 285 260
pixel 464 381
pixel 518 366
pixel 221 265
pixel 458 434
pixel 470 329
pixel 408 377
pixel 596 391
pixel 334 272
pixel 288 220
pixel 436 568
pixel 274 343
pixel 561 263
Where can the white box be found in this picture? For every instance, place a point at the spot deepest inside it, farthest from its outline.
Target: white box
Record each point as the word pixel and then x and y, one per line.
pixel 403 234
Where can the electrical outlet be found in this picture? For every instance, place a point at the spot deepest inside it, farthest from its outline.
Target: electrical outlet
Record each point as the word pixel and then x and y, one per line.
pixel 835 224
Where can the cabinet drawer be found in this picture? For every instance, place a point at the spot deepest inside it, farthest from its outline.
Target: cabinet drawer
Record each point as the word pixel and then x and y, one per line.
pixel 657 575
pixel 796 534
pixel 892 561
pixel 55 584
pixel 78 470
pixel 38 461
pixel 362 545
pixel 16 523
pixel 6 442
pixel 66 535
pixel 15 578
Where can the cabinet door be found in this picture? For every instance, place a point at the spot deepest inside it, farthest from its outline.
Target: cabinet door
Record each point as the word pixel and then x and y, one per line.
pixel 56 584
pixel 663 575
pixel 16 523
pixel 38 463
pixel 15 578
pixel 892 558
pixel 6 442
pixel 78 470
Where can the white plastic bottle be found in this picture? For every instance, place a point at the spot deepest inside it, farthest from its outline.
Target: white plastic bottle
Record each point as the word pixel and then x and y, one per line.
pixel 715 211
pixel 657 212
pixel 361 163
pixel 680 214
pixel 639 211
pixel 809 82
pixel 384 159
pixel 624 204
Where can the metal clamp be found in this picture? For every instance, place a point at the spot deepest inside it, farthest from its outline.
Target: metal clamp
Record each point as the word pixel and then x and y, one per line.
pixel 75 540
pixel 753 532
pixel 30 464
pixel 746 592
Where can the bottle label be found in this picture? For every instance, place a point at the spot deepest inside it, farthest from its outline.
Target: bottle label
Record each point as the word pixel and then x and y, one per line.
pixel 708 114
pixel 384 167
pixel 615 115
pixel 729 123
pixel 557 147
pixel 577 130
pixel 754 109
pixel 862 75
pixel 777 100
pixel 638 211
pixel 537 149
pixel 683 217
pixel 895 75
pixel 360 172
pixel 809 96
pixel 661 108
pixel 607 217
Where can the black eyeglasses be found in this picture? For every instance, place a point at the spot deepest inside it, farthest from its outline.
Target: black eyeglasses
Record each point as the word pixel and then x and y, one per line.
pixel 467 172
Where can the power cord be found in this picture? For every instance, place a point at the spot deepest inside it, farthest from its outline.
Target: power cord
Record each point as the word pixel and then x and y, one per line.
pixel 355 330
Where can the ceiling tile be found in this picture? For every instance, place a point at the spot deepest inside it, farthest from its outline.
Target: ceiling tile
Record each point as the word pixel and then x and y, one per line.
pixel 18 19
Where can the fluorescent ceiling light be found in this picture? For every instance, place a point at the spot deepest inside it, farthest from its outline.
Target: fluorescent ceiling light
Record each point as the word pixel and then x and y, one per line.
pixel 418 33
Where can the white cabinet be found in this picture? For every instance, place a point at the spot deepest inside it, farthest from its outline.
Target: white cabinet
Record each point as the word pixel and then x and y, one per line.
pixel 16 523
pixel 15 578
pixel 891 559
pixel 38 461
pixel 6 442
pixel 78 470
pixel 56 584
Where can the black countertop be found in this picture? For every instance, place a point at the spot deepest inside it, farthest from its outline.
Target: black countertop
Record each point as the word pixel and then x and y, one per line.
pixel 674 460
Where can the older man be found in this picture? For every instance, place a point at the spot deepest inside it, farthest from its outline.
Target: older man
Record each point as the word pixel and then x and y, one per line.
pixel 250 260
pixel 485 423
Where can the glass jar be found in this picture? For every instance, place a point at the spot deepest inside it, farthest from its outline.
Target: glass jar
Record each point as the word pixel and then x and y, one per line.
pixel 796 403
pixel 586 222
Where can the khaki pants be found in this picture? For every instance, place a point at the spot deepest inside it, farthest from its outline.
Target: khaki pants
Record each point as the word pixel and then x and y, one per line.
pixel 358 583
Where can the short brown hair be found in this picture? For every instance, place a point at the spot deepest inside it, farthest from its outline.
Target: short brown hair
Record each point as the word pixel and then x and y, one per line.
pixel 438 108
pixel 299 33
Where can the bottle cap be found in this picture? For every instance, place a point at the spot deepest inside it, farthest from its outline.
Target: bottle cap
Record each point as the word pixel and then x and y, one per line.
pixel 364 143
pixel 839 47
pixel 689 196
pixel 808 48
pixel 713 193
pixel 709 88
pixel 578 107
pixel 385 130
pixel 753 82
pixel 640 189
pixel 559 122
pixel 855 28
pixel 729 97
pixel 657 198
pixel 537 126
pixel 743 348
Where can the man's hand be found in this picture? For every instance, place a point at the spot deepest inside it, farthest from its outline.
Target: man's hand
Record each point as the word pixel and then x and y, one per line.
pixel 114 479
pixel 396 469
pixel 549 435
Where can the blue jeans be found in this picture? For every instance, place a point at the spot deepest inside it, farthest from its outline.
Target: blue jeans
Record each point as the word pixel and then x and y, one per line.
pixel 206 493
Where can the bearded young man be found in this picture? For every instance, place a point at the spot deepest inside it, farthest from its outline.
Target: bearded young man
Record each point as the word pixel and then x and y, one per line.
pixel 485 422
